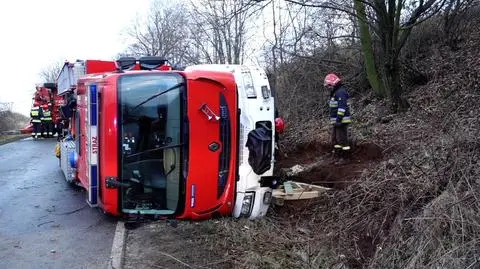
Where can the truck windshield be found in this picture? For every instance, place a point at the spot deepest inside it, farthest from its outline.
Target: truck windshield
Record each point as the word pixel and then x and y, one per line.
pixel 151 142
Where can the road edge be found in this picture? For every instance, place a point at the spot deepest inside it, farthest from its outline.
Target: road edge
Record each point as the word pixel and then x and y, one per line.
pixel 118 247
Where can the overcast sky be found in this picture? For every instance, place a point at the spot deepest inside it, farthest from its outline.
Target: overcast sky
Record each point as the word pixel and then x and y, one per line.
pixel 36 33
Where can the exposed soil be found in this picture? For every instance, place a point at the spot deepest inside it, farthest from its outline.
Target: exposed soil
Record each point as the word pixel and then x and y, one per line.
pixel 303 154
pixel 330 171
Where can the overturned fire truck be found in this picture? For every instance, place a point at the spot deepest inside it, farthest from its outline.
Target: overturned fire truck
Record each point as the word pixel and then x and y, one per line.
pixel 146 140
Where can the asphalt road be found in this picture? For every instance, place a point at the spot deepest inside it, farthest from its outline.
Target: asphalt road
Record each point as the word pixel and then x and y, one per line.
pixel 45 222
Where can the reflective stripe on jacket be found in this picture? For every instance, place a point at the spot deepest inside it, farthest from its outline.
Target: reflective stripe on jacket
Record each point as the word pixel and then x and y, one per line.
pixel 47 115
pixel 338 104
pixel 36 114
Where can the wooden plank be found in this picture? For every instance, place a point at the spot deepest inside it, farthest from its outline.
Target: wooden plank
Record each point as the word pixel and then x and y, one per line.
pixel 296 195
pixel 311 187
pixel 293 190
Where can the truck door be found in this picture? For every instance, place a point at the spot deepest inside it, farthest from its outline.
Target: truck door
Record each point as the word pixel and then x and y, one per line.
pixel 212 139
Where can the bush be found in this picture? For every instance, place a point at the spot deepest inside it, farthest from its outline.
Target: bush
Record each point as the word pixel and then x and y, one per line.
pixel 12 121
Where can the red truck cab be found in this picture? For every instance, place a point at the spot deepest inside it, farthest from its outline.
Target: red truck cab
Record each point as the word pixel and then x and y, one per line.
pixel 151 142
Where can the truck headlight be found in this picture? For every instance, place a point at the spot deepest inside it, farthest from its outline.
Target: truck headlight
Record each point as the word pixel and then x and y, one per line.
pixel 247 204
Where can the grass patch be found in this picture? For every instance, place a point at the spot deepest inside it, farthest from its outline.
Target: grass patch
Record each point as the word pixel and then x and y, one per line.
pixel 4 139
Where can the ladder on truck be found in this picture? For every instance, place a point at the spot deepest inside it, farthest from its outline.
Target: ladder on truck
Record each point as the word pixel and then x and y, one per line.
pixel 292 190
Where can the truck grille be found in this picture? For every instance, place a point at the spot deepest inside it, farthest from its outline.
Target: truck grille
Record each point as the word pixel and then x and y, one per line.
pixel 226 140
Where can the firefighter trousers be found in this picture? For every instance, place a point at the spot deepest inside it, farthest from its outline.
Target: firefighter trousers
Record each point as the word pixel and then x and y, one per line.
pixel 340 137
pixel 48 128
pixel 36 129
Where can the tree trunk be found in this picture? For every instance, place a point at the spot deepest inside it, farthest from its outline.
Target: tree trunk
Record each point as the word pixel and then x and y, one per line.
pixel 392 81
pixel 368 57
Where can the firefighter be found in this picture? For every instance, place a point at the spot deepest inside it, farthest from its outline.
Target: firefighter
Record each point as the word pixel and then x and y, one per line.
pixel 36 115
pixel 47 121
pixel 339 114
pixel 279 127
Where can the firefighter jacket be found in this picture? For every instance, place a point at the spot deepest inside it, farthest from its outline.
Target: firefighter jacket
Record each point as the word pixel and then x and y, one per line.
pixel 36 114
pixel 47 115
pixel 338 103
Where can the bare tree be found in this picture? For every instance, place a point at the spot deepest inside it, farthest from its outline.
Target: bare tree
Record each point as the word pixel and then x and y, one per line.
pixel 5 106
pixel 393 33
pixel 50 73
pixel 164 32
pixel 391 22
pixel 220 29
pixel 456 12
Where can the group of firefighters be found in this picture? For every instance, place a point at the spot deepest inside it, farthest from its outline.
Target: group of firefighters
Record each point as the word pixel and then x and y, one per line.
pixel 42 120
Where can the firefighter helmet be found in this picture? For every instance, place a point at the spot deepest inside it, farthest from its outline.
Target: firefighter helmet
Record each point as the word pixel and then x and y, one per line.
pixel 45 106
pixel 36 103
pixel 279 125
pixel 331 80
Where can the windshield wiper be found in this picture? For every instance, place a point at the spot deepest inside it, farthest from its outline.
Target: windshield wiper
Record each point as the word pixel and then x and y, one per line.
pixel 160 93
pixel 152 150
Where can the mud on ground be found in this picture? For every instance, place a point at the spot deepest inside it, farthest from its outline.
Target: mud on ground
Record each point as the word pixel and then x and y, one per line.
pixel 327 170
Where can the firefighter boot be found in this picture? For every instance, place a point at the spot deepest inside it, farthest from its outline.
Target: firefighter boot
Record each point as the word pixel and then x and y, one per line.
pixel 337 150
pixel 347 152
pixel 344 155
